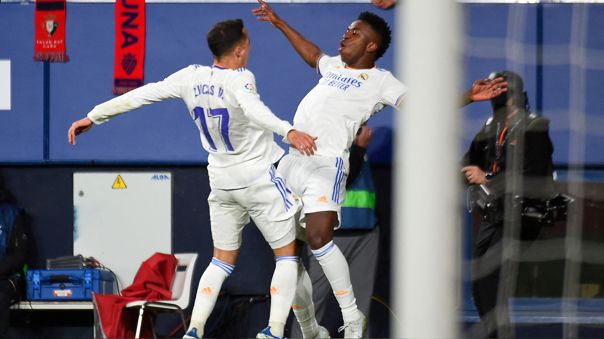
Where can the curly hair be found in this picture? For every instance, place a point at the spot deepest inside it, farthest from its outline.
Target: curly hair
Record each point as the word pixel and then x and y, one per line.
pixel 380 26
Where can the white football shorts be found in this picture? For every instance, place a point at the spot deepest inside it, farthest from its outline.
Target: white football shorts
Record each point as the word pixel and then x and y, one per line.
pixel 319 180
pixel 269 202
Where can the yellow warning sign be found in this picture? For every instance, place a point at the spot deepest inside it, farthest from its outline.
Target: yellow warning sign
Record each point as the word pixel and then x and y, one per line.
pixel 119 183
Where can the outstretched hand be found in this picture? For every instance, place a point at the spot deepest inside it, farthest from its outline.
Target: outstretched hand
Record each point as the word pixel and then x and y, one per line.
pixel 383 4
pixel 77 128
pixel 265 13
pixel 302 142
pixel 485 89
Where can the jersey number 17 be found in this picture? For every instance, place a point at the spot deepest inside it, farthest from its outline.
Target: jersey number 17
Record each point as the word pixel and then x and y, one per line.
pixel 222 114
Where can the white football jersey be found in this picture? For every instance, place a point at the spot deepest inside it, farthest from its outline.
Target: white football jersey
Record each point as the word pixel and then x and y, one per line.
pixel 344 99
pixel 235 126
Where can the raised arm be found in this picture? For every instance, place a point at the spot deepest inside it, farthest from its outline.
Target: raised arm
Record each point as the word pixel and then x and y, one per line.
pixel 256 111
pixel 305 48
pixel 169 88
pixel 259 113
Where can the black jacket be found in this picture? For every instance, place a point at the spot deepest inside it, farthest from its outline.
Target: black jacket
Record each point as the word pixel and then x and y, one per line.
pixel 17 248
pixel 527 140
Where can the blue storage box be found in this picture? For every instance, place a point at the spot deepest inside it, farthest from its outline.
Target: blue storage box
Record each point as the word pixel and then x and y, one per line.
pixel 68 284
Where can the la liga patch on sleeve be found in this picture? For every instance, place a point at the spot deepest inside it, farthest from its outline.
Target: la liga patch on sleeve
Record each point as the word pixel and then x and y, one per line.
pixel 250 87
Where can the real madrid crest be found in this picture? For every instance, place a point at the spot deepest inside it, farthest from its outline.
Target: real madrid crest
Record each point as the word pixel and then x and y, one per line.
pixel 364 76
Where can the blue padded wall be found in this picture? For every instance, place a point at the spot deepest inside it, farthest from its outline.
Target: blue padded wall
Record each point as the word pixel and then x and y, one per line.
pixel 21 128
pixel 499 36
pixel 175 38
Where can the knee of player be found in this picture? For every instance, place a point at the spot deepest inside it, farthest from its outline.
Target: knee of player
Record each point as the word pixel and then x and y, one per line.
pixel 318 240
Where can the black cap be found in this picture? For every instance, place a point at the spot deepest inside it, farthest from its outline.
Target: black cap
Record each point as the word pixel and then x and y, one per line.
pixel 515 89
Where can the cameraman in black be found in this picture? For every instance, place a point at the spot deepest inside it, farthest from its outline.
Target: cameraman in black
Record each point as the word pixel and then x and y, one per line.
pixel 508 165
pixel 14 246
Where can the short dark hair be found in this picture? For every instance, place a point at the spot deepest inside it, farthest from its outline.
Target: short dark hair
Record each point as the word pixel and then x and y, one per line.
pixel 380 26
pixel 223 37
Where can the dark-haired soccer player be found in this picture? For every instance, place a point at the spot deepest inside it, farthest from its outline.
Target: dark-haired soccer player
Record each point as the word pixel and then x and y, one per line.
pixel 236 129
pixel 351 89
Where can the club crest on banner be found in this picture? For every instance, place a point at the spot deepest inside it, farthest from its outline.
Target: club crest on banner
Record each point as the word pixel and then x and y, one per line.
pixel 128 63
pixel 51 25
pixel 130 30
pixel 49 43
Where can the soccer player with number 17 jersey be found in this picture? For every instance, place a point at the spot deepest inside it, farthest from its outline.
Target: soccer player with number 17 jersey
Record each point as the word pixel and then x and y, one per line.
pixel 236 129
pixel 351 89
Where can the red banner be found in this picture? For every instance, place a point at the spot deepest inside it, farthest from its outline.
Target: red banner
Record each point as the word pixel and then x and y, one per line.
pixel 129 63
pixel 50 31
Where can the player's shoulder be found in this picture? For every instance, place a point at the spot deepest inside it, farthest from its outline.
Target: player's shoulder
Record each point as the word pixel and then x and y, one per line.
pixel 386 77
pixel 331 60
pixel 185 74
pixel 197 67
pixel 241 79
pixel 326 62
pixel 382 72
pixel 242 74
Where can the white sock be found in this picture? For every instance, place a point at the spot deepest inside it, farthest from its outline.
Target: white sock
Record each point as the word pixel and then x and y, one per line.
pixel 283 288
pixel 303 306
pixel 335 267
pixel 207 293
